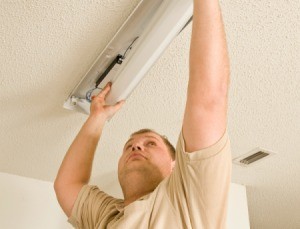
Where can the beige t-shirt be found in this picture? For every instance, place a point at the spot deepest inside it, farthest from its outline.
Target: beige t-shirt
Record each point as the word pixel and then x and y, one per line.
pixel 194 196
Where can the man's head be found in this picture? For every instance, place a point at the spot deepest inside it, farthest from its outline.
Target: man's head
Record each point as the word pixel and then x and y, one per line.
pixel 148 155
pixel 164 138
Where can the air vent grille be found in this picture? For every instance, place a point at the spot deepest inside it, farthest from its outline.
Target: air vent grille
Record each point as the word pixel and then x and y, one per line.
pixel 252 157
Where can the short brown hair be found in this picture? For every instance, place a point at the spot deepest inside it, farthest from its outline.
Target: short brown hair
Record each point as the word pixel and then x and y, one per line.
pixel 163 137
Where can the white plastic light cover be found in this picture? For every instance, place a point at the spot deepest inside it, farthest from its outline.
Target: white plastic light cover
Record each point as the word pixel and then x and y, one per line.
pixel 136 46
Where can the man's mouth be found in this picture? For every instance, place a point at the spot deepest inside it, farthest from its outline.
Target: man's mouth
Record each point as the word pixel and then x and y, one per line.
pixel 135 156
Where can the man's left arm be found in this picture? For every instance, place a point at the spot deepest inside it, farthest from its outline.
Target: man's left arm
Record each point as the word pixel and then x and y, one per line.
pixel 205 117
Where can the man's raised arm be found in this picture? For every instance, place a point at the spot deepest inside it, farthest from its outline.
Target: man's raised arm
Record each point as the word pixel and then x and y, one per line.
pixel 206 107
pixel 75 170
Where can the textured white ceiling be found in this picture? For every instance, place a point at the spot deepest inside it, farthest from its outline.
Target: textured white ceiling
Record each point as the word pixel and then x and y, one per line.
pixel 47 46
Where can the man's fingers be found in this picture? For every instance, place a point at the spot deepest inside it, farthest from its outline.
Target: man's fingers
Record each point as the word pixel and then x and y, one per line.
pixel 105 90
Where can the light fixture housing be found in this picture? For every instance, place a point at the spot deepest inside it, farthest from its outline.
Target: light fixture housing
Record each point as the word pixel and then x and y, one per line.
pixel 136 46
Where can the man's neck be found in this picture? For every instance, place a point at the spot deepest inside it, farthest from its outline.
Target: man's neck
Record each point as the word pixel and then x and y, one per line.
pixel 136 186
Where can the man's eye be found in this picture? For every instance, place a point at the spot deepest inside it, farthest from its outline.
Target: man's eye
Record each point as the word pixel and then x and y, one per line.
pixel 128 146
pixel 151 143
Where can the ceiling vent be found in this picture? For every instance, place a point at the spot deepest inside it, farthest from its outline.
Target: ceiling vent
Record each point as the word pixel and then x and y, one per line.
pixel 253 157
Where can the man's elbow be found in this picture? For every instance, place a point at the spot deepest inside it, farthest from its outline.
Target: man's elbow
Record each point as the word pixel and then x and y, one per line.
pixel 66 194
pixel 60 187
pixel 208 101
pixel 56 186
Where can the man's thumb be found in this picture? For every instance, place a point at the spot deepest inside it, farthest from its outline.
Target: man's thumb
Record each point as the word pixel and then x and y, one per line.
pixel 118 105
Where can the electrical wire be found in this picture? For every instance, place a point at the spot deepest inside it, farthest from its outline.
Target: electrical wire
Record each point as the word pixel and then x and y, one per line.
pixel 130 47
pixel 89 92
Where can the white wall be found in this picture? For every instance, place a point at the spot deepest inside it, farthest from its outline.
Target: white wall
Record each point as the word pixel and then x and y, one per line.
pixel 238 217
pixel 29 203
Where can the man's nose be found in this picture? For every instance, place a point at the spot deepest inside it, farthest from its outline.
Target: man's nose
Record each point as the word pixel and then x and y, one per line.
pixel 136 147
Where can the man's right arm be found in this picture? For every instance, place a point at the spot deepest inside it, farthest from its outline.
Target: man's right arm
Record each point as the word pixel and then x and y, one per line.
pixel 75 170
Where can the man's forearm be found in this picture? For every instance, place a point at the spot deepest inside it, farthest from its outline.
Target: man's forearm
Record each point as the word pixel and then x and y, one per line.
pixel 77 164
pixel 209 62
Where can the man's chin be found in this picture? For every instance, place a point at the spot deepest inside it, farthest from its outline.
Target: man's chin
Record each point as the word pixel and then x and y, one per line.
pixel 137 167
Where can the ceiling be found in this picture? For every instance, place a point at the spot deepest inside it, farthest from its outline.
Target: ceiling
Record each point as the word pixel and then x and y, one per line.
pixel 47 46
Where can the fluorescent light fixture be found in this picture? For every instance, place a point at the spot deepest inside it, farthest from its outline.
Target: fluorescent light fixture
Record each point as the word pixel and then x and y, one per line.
pixel 136 46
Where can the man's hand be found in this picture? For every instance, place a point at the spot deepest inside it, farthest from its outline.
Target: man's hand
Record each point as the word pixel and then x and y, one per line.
pixel 99 108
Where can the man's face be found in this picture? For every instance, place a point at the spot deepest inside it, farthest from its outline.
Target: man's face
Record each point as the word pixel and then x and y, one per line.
pixel 145 153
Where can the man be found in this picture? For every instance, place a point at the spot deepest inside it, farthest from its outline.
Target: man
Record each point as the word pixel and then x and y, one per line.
pixel 159 193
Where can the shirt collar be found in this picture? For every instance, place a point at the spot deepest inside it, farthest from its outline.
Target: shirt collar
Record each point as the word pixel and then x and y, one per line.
pixel 120 206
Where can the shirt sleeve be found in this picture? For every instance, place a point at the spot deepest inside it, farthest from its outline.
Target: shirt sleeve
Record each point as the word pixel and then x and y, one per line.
pixel 199 186
pixel 92 208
